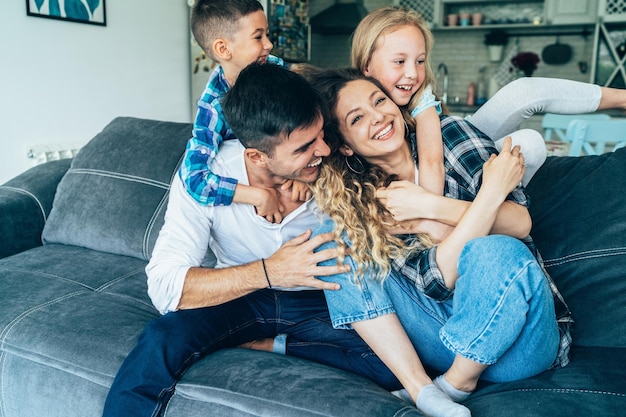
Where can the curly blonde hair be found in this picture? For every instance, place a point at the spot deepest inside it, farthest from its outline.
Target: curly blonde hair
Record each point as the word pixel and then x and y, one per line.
pixel 348 195
pixel 386 20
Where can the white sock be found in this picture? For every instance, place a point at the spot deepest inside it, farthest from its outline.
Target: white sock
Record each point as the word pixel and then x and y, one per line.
pixel 435 403
pixel 456 394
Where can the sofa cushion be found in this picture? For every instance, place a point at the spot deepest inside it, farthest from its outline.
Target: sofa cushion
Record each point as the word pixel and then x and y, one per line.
pixel 579 224
pixel 113 197
pixel 70 316
pixel 25 202
pixel 591 385
pixel 245 383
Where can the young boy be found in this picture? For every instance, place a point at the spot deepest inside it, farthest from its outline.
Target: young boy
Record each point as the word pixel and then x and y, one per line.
pixel 233 33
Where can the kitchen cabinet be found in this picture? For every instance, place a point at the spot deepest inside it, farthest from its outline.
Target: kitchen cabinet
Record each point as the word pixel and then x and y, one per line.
pixel 571 11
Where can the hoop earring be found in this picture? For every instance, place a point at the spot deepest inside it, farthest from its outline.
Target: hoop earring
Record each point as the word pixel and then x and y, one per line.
pixel 357 161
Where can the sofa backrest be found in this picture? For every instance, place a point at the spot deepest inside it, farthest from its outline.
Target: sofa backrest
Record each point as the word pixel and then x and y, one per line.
pixel 113 197
pixel 578 206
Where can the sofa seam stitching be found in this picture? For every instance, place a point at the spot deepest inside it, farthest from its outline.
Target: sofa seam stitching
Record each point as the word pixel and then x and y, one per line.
pixel 600 253
pixel 7 329
pixel 31 195
pixel 117 175
pixel 570 390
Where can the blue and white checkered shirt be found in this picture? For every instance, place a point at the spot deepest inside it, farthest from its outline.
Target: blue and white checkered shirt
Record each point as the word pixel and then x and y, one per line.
pixel 209 131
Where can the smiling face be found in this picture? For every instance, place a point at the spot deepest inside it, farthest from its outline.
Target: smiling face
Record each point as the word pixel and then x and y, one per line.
pixel 399 62
pixel 369 121
pixel 249 43
pixel 300 155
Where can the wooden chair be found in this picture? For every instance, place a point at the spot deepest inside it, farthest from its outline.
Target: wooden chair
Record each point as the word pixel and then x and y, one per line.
pixel 592 136
pixel 557 123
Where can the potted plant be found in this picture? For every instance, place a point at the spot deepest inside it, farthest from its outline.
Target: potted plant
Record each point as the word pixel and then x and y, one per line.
pixel 495 41
pixel 526 62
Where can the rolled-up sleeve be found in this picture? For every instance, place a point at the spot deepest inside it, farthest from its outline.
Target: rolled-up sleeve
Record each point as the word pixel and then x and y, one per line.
pixel 181 245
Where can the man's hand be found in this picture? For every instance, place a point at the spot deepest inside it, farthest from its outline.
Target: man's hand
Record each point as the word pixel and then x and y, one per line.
pixel 295 263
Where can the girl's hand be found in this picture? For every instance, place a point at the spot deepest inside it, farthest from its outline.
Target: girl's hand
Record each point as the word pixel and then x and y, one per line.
pixel 300 191
pixel 436 230
pixel 404 200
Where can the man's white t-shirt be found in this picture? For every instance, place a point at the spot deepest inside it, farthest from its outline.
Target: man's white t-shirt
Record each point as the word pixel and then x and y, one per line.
pixel 235 233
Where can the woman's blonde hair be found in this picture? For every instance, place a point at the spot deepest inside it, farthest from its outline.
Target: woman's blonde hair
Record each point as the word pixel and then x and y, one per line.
pixel 384 21
pixel 346 190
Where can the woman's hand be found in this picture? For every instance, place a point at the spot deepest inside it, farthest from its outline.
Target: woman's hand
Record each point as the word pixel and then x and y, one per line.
pixel 504 172
pixel 404 200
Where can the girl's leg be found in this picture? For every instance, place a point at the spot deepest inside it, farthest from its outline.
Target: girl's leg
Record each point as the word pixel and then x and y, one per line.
pixel 520 99
pixel 612 98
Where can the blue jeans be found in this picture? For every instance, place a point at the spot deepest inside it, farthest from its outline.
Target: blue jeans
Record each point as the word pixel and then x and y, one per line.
pixel 502 312
pixel 172 343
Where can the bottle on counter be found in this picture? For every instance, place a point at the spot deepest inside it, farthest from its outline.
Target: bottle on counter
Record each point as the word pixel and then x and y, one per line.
pixel 471 94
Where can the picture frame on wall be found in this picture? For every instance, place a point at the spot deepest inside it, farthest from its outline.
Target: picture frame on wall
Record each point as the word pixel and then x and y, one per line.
pixel 80 11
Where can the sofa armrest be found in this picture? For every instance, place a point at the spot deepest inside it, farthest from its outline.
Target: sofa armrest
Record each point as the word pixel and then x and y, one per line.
pixel 25 202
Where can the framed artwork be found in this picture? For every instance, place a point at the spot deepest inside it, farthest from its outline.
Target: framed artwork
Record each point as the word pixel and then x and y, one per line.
pixel 80 11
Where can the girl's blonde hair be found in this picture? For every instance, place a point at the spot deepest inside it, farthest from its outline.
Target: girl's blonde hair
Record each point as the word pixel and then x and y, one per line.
pixel 346 191
pixel 382 22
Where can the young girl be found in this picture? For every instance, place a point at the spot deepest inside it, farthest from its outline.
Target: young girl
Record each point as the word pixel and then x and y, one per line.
pixel 393 45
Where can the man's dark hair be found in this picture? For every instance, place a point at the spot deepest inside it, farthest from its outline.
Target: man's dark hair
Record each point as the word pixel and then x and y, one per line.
pixel 268 102
pixel 214 19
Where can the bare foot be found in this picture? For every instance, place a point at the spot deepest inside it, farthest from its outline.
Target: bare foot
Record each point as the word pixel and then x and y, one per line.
pixel 259 344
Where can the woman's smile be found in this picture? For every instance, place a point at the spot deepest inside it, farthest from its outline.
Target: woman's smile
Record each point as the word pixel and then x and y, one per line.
pixel 385 133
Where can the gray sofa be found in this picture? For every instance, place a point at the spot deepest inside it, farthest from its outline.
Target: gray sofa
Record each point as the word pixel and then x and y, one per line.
pixel 74 241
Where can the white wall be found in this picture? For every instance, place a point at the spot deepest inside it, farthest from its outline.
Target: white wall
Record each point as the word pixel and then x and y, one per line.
pixel 62 82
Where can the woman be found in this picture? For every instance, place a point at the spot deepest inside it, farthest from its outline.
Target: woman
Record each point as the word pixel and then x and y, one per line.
pixel 475 302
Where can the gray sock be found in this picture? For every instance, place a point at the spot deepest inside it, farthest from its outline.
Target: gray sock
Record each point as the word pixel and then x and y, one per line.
pixel 435 403
pixel 403 395
pixel 456 394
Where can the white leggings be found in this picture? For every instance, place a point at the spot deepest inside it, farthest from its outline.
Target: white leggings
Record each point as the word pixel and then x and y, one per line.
pixel 502 114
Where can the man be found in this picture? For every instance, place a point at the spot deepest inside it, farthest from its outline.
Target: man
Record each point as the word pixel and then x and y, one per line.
pixel 264 282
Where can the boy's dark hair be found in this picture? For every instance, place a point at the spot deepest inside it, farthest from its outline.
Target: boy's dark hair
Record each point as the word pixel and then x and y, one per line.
pixel 269 102
pixel 214 19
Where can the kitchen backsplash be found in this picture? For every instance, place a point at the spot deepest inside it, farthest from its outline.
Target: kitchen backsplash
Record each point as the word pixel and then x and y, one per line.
pixel 464 53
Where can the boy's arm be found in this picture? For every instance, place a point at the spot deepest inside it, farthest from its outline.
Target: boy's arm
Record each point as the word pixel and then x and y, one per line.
pixel 209 132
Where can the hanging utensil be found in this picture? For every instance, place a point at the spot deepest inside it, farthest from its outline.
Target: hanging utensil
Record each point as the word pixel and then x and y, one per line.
pixel 557 53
